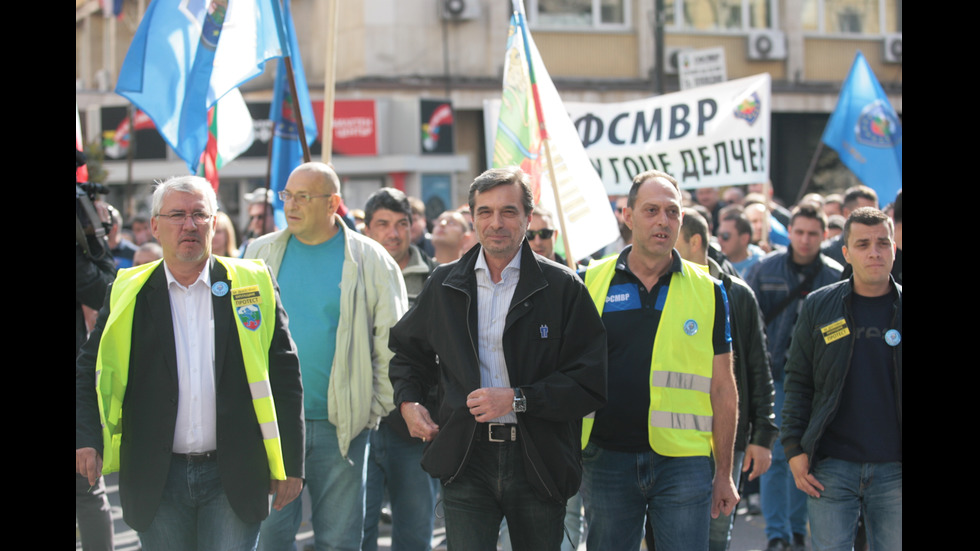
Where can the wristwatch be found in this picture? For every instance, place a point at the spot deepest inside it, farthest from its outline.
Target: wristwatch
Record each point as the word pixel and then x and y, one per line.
pixel 520 402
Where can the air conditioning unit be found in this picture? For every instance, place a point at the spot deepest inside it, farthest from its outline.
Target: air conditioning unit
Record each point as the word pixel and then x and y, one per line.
pixel 672 59
pixel 767 45
pixel 892 48
pixel 460 10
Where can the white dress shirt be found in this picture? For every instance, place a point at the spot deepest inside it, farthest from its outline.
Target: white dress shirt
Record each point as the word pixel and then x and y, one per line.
pixel 193 318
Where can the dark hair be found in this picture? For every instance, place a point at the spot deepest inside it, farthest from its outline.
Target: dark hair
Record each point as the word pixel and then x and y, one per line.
pixel 643 177
pixel 387 198
pixel 694 224
pixel 898 207
pixel 501 177
pixel 853 193
pixel 809 210
pixel 736 214
pixel 867 216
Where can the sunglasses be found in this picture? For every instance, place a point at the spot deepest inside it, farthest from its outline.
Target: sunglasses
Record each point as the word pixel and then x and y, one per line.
pixel 543 234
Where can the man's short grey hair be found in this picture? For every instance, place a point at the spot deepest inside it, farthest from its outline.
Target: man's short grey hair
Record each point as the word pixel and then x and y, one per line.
pixel 545 215
pixel 499 177
pixel 185 184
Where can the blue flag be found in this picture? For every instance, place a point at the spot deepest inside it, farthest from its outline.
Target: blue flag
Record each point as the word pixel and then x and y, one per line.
pixel 187 54
pixel 287 151
pixel 865 131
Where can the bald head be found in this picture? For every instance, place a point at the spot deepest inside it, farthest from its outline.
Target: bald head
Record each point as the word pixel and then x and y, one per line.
pixel 324 173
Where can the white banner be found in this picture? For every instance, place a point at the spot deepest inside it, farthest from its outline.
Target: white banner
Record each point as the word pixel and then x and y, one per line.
pixel 711 136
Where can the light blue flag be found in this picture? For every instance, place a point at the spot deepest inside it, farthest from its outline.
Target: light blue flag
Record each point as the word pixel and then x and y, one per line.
pixel 287 151
pixel 177 68
pixel 865 131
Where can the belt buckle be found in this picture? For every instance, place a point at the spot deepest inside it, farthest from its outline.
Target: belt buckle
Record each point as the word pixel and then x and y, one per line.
pixel 490 437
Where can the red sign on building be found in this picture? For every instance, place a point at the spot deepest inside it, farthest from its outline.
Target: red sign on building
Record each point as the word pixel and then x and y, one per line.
pixel 355 126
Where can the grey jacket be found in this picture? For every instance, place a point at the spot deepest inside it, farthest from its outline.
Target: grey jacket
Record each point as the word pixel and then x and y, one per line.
pixel 373 299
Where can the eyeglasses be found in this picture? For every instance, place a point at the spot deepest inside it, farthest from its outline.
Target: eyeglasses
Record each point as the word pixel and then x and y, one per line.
pixel 543 234
pixel 178 218
pixel 300 198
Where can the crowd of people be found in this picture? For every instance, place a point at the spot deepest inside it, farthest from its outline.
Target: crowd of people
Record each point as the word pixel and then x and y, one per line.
pixel 380 360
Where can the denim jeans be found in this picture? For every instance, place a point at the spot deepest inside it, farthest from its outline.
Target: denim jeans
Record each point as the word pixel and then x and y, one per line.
pixel 493 485
pixel 720 533
pixel 873 489
pixel 393 462
pixel 336 488
pixel 620 489
pixel 783 504
pixel 195 513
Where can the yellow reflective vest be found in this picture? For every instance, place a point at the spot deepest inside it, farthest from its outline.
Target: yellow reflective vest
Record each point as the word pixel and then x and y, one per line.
pixel 253 295
pixel 680 413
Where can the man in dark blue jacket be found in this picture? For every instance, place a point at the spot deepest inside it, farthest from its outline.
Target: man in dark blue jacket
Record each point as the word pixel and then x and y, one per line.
pixel 842 422
pixel 781 281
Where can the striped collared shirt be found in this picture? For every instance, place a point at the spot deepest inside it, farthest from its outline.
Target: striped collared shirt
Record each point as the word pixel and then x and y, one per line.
pixel 493 301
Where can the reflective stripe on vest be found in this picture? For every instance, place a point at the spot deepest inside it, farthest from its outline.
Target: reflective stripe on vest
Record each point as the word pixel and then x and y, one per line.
pixel 680 416
pixel 112 365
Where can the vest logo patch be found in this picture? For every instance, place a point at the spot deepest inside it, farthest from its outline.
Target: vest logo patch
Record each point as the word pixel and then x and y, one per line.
pixel 250 316
pixel 622 297
pixel 835 330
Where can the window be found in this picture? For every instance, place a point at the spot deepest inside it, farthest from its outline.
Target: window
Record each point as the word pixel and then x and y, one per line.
pixel 579 14
pixel 719 15
pixel 866 17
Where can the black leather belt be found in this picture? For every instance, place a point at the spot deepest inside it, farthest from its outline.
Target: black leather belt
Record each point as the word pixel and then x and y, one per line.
pixel 198 457
pixel 496 432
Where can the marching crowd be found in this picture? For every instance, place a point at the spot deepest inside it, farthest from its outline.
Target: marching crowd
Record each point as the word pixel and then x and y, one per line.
pixel 460 366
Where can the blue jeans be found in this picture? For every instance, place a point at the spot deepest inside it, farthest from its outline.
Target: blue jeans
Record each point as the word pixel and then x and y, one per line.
pixel 620 489
pixel 195 513
pixel 873 489
pixel 393 462
pixel 783 504
pixel 493 485
pixel 720 533
pixel 336 487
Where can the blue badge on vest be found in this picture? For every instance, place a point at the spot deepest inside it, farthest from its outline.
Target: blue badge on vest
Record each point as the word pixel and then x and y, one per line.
pixel 619 298
pixel 691 327
pixel 219 289
pixel 250 316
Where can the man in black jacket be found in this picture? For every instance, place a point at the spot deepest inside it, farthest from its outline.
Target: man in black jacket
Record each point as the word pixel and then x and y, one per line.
pixel 756 430
pixel 518 352
pixel 842 421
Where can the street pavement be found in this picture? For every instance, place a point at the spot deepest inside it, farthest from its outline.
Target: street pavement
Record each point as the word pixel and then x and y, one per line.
pixel 748 535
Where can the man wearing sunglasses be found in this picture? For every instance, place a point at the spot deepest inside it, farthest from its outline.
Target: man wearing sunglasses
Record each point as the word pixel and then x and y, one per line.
pixel 541 235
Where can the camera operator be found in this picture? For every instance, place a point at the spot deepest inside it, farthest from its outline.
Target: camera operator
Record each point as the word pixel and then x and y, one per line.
pixel 94 271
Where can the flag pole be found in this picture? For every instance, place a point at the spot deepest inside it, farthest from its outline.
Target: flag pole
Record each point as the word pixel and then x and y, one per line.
pixel 287 60
pixel 543 129
pixel 329 81
pixel 297 112
pixel 809 172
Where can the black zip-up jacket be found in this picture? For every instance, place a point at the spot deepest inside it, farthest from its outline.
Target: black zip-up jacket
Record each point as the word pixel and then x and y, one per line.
pixel 816 371
pixel 555 349
pixel 756 421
